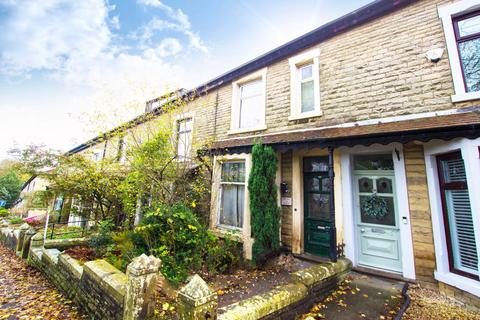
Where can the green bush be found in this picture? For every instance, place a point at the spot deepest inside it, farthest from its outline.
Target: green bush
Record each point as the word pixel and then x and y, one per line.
pixel 3 212
pixel 123 249
pixel 263 202
pixel 175 235
pixel 103 238
pixel 15 220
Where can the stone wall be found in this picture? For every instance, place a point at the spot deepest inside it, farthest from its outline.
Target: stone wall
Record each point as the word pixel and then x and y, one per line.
pixel 286 176
pixel 420 216
pixel 96 287
pixel 373 71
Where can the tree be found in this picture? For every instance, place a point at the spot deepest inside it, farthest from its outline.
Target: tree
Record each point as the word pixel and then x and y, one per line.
pixel 10 186
pixel 263 202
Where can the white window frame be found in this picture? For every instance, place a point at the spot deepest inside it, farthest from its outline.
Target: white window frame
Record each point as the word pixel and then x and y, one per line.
pixel 235 111
pixel 220 190
pixel 244 234
pixel 313 57
pixel 470 155
pixel 447 13
pixel 178 118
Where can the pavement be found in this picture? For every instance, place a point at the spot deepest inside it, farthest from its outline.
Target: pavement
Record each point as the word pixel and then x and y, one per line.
pixel 360 297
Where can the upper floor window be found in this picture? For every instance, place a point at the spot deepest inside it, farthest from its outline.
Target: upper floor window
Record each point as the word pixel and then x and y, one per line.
pixel 467 33
pixel 461 24
pixel 248 103
pixel 97 155
pixel 305 85
pixel 184 138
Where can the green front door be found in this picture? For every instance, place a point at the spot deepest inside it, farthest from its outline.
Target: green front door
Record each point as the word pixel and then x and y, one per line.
pixel 317 224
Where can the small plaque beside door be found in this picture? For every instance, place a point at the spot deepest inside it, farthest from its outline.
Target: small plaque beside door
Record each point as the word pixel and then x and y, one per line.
pixel 286 201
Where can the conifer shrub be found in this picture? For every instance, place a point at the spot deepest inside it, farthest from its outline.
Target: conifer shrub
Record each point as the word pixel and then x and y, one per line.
pixel 265 213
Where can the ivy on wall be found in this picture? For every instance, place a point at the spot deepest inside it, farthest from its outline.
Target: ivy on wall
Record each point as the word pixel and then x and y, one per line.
pixel 265 213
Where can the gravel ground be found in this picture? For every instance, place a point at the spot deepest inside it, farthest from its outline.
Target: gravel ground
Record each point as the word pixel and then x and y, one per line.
pixel 430 305
pixel 26 294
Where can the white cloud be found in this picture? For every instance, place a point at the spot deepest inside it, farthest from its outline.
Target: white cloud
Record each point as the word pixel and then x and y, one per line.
pixel 179 22
pixel 74 44
pixel 44 35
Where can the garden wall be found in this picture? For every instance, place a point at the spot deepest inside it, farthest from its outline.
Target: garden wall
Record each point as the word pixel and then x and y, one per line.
pixel 96 287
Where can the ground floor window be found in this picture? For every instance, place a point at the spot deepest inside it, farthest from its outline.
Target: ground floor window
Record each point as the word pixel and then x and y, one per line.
pixel 232 194
pixel 457 214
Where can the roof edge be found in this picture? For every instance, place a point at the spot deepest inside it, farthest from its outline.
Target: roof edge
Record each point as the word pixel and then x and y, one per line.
pixel 329 30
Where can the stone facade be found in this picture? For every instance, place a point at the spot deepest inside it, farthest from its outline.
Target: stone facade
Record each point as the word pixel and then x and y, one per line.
pixel 424 249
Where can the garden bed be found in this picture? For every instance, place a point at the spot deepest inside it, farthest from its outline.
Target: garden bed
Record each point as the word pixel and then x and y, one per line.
pixel 243 284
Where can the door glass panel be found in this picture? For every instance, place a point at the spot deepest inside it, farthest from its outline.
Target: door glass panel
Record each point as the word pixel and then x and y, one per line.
pixel 313 184
pixel 373 162
pixel 384 185
pixel 378 212
pixel 319 164
pixel 318 205
pixel 326 185
pixel 365 185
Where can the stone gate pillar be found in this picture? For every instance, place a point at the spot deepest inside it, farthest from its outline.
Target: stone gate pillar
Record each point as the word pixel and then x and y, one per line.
pixel 21 236
pixel 196 301
pixel 140 293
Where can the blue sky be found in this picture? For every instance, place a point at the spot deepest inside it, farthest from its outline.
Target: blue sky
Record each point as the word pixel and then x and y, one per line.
pixel 69 69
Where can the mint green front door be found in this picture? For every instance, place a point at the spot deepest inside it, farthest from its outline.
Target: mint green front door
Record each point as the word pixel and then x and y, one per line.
pixel 377 219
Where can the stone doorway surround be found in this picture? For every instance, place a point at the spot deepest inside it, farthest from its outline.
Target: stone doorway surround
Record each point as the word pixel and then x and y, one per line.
pixel 298 198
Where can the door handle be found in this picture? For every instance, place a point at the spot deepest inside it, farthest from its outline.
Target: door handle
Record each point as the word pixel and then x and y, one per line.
pixel 321 228
pixel 362 230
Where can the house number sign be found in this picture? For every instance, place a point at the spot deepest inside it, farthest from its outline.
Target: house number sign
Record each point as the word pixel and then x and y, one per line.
pixel 286 201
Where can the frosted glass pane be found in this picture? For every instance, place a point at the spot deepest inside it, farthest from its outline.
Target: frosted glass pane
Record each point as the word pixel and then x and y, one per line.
pixel 470 57
pixel 233 172
pixel 308 99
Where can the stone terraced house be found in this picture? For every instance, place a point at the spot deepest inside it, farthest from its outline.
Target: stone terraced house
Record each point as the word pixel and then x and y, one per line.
pixel 375 118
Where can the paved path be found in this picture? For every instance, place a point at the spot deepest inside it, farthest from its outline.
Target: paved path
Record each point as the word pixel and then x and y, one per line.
pixel 360 297
pixel 26 294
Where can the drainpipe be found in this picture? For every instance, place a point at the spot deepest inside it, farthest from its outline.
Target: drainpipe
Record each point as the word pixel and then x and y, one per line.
pixel 333 229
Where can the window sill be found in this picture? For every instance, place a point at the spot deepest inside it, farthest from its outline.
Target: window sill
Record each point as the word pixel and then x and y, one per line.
pixel 467 96
pixel 243 130
pixel 457 281
pixel 305 115
pixel 221 231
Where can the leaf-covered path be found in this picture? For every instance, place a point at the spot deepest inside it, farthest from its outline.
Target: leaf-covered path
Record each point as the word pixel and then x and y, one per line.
pixel 26 294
